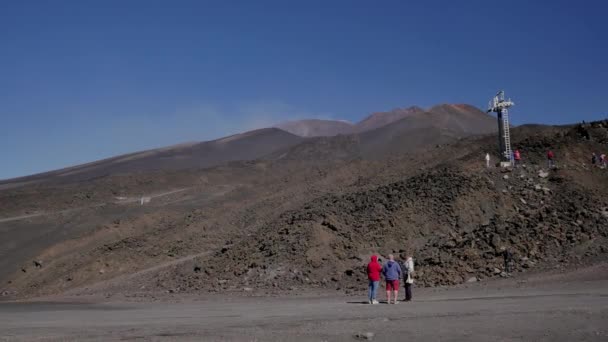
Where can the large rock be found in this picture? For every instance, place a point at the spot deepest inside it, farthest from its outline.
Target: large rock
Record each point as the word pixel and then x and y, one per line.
pixel 367 336
pixel 496 241
pixel 543 174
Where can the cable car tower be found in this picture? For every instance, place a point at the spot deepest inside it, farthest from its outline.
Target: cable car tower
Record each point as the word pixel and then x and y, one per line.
pixel 500 106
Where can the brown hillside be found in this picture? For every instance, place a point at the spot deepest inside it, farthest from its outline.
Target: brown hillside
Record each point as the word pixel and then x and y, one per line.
pixel 317 128
pixel 380 119
pixel 244 146
pixel 286 223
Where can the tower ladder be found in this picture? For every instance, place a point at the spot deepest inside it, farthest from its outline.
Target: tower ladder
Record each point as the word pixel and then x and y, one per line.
pixel 507 135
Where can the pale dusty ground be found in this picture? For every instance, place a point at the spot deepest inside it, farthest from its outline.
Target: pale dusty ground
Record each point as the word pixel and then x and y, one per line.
pixel 553 309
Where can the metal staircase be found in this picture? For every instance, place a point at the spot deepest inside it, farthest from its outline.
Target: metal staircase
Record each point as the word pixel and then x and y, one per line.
pixel 507 135
pixel 500 106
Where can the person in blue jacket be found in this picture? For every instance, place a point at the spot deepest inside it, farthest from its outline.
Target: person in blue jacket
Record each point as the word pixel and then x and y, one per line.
pixel 392 273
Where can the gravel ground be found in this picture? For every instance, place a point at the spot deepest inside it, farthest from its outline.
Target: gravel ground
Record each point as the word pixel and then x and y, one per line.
pixel 556 310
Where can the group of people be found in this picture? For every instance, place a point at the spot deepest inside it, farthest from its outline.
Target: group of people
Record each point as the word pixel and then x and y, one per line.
pixel 392 272
pixel 516 159
pixel 602 161
pixel 596 160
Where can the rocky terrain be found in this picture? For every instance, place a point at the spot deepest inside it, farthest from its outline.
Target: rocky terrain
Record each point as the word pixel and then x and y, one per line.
pixel 308 216
pixel 457 220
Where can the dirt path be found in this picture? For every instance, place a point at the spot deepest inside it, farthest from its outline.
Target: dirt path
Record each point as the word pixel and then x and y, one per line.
pixel 120 280
pixel 137 199
pixel 556 312
pixel 22 217
pixel 67 211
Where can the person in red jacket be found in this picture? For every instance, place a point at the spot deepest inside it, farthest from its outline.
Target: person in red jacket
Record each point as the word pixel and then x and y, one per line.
pixel 373 275
pixel 550 157
pixel 517 157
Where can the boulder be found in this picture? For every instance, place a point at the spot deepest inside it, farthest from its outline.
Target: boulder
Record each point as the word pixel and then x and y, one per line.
pixel 496 241
pixel 543 174
pixel 367 336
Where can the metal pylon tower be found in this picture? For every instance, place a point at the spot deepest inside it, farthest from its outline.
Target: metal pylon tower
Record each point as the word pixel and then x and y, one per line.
pixel 500 106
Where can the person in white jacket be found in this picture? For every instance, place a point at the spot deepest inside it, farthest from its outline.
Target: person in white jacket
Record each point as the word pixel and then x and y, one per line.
pixel 408 276
pixel 488 160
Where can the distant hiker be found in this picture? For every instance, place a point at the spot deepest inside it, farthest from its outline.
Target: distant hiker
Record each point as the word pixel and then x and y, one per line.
pixel 373 275
pixel 488 160
pixel 408 276
pixel 603 161
pixel 550 159
pixel 508 258
pixel 517 157
pixel 593 159
pixel 392 273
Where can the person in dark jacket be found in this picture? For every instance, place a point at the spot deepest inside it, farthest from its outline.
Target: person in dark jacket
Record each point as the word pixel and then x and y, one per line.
pixel 508 259
pixel 392 273
pixel 373 275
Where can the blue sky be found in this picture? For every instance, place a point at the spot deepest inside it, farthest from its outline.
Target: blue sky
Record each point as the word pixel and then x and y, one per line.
pixel 82 80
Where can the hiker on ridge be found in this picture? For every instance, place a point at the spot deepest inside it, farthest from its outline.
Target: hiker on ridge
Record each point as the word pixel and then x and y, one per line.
pixel 408 276
pixel 550 161
pixel 508 259
pixel 373 275
pixel 517 157
pixel 392 273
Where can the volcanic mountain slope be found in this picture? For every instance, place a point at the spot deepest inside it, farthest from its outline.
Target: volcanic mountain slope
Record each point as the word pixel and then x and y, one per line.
pixel 380 119
pixel 419 128
pixel 328 128
pixel 462 118
pixel 278 224
pixel 317 128
pixel 245 146
pixel 440 125
pixel 418 131
pixel 457 218
pixel 457 117
pixel 95 244
pixel 110 182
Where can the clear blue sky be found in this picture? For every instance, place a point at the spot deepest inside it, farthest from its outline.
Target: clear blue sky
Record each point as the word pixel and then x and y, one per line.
pixel 82 80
